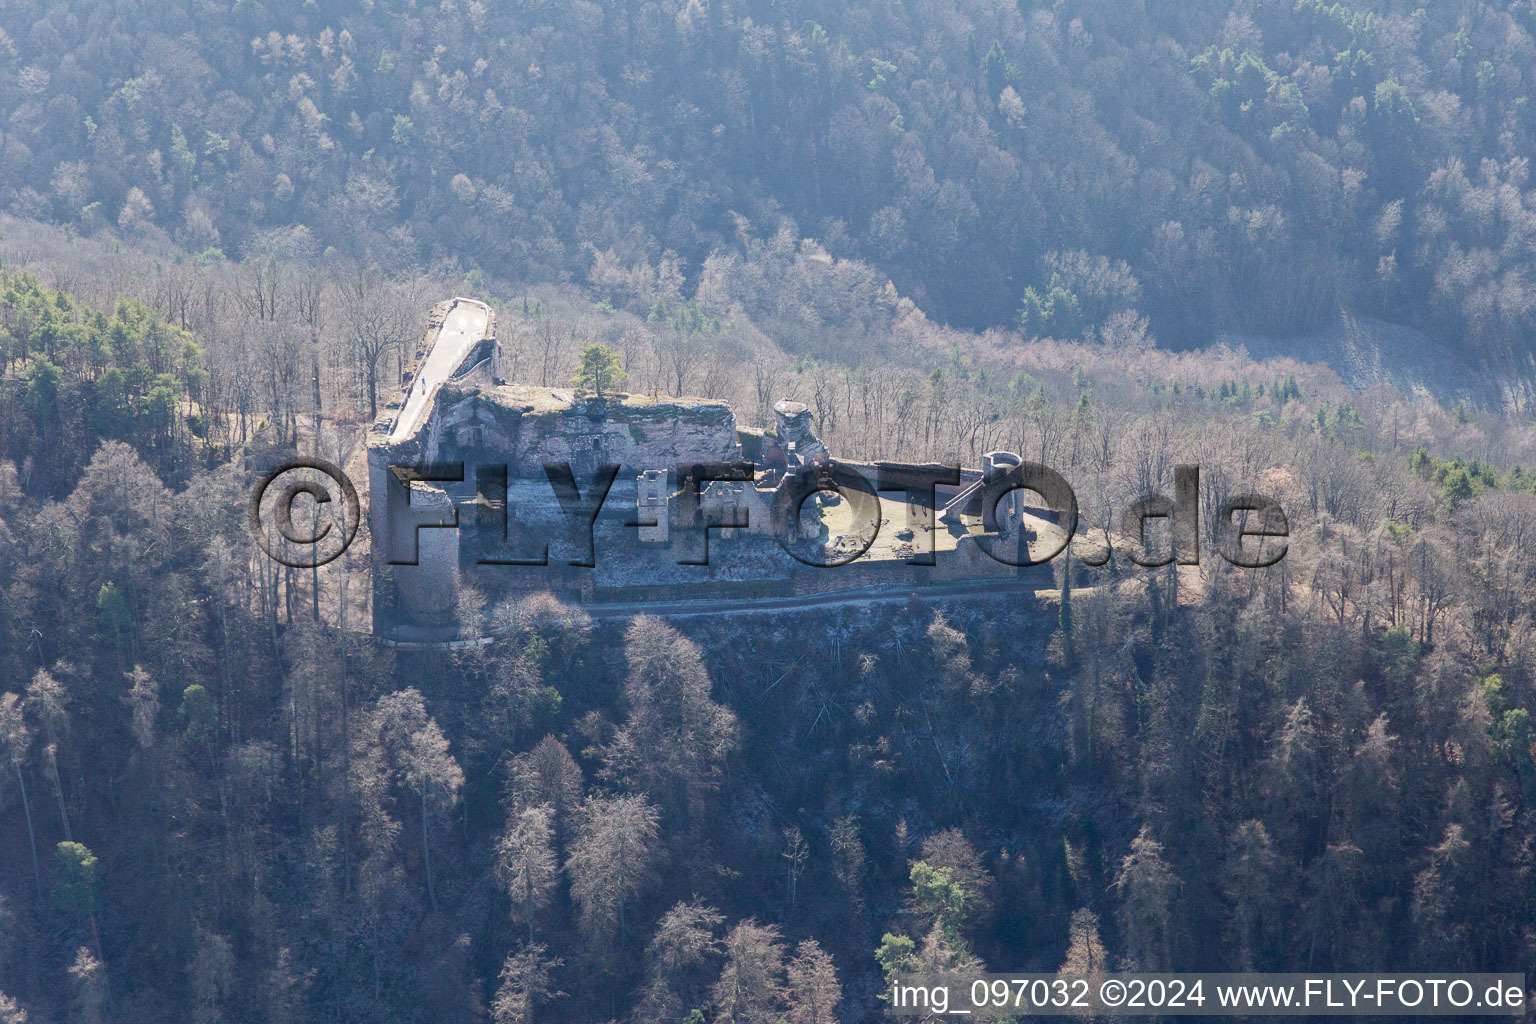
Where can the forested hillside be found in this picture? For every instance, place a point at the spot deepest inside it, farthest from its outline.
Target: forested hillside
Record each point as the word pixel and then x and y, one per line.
pixel 1205 166
pixel 221 802
pixel 948 228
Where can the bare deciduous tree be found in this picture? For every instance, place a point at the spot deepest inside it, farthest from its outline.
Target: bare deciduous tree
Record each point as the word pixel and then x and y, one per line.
pixel 378 316
pixel 814 991
pixel 751 988
pixel 47 697
pixel 525 863
pixel 15 741
pixel 525 983
pixel 675 737
pixel 612 859
pixel 90 982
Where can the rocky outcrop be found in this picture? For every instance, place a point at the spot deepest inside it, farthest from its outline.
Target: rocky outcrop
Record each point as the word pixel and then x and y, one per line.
pixel 527 427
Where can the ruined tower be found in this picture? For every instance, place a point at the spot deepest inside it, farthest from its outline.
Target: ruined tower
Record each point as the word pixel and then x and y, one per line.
pixel 418 601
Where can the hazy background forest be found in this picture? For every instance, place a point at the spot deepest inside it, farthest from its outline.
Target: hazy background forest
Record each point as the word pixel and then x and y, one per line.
pixel 947 228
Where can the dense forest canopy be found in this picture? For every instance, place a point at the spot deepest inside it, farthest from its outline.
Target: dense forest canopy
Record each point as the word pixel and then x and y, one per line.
pixel 223 802
pixel 948 229
pixel 1252 167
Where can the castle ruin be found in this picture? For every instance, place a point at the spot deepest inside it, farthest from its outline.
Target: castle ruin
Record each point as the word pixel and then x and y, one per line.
pixel 508 488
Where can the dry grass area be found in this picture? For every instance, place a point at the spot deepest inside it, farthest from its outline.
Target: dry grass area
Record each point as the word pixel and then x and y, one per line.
pixel 555 400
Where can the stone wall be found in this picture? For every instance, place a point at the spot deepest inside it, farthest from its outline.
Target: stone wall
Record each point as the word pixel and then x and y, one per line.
pixel 527 427
pixel 416 601
pixel 482 423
